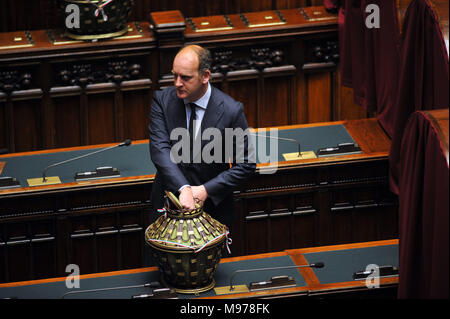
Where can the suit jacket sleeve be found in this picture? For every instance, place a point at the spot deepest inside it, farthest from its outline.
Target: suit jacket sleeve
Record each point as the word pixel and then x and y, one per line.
pixel 160 147
pixel 242 168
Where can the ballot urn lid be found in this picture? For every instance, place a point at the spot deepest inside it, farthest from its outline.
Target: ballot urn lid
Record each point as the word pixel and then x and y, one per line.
pixel 95 19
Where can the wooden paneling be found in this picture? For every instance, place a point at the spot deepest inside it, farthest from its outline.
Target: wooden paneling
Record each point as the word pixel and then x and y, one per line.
pixel 27 15
pixel 256 225
pixel 315 284
pixel 327 211
pixel 283 74
pixel 348 109
pixel 304 220
pixel 135 113
pixel 68 115
pixel 100 225
pixel 248 97
pixel 277 101
pixel 66 93
pixel 319 97
pixel 321 205
pixel 280 216
pixel 42 14
pixel 27 118
pixel 95 231
pixel 3 128
pixel 28 250
pixel 101 127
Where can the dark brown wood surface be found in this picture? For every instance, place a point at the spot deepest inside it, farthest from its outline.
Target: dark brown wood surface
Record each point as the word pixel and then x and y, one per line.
pixel 42 14
pixel 313 284
pixel 367 133
pixel 306 203
pixel 321 201
pixel 283 74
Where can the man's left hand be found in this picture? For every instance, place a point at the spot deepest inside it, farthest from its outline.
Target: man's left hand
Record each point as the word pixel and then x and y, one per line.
pixel 199 192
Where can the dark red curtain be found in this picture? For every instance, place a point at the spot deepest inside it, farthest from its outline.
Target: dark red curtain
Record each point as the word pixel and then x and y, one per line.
pixel 396 75
pixel 424 76
pixel 369 57
pixel 423 211
pixel 392 74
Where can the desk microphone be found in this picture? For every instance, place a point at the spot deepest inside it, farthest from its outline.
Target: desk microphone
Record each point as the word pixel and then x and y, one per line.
pixel 153 284
pixel 283 139
pixel 124 143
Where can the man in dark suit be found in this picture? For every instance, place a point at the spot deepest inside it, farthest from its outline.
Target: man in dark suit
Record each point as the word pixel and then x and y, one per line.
pixel 195 105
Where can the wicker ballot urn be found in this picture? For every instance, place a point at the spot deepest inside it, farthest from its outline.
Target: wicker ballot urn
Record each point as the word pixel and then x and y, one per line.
pixel 95 19
pixel 187 247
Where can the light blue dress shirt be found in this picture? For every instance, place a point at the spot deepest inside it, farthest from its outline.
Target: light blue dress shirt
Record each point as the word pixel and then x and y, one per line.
pixel 202 103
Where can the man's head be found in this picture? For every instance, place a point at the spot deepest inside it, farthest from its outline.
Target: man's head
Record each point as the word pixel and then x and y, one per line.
pixel 191 71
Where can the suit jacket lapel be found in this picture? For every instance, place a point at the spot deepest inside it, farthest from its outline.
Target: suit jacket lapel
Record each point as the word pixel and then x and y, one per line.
pixel 213 112
pixel 178 113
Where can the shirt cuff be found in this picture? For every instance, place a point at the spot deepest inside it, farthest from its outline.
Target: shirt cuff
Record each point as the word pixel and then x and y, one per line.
pixel 181 188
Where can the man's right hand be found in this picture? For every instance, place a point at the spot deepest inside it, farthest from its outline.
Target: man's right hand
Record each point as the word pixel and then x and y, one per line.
pixel 186 198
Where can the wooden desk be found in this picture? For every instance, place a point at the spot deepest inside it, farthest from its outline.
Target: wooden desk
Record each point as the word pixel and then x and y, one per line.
pixel 103 90
pixel 321 201
pixel 99 224
pixel 341 261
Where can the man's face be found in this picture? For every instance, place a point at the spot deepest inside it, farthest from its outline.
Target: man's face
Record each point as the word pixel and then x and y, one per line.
pixel 189 83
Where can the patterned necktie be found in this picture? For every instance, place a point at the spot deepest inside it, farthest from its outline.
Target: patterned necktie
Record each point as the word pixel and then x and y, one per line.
pixel 191 127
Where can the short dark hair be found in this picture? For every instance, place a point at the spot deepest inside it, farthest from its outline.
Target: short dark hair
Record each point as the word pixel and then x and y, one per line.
pixel 204 60
pixel 203 54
